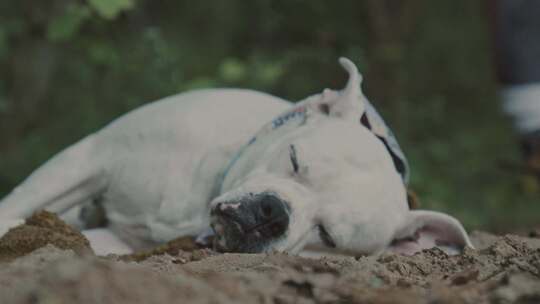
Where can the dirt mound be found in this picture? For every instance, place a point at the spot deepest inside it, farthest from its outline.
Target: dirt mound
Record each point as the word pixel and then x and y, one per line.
pixel 41 229
pixel 502 270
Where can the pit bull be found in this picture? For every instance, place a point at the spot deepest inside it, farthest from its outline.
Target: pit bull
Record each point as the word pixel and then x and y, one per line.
pixel 257 172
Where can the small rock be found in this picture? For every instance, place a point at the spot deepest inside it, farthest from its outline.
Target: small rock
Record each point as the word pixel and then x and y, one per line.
pixel 464 277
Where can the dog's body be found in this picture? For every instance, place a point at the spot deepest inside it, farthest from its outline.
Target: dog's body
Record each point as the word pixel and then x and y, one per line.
pixel 155 169
pixel 159 171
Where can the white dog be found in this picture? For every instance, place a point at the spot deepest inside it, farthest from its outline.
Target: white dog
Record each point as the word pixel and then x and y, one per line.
pixel 326 169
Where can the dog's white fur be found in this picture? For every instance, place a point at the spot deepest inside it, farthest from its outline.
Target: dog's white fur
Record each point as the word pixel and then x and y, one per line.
pixel 160 168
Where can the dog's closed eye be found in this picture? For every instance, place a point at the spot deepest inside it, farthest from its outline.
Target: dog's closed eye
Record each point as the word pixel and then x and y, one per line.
pixel 294 158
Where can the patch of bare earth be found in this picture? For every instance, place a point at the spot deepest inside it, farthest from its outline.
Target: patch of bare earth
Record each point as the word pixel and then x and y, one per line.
pixel 501 270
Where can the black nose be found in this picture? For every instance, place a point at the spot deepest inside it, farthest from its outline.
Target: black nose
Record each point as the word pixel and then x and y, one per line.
pixel 263 214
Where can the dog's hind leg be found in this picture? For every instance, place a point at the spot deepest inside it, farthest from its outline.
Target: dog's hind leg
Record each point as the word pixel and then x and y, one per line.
pixel 73 176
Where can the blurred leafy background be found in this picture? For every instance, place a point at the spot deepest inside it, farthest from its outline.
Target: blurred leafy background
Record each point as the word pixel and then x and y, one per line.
pixel 69 67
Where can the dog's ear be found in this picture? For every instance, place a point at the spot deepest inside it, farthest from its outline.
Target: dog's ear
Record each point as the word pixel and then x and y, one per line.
pixel 350 101
pixel 352 104
pixel 426 229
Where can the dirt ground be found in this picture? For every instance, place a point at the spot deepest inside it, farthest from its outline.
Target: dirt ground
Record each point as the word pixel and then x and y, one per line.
pixel 45 261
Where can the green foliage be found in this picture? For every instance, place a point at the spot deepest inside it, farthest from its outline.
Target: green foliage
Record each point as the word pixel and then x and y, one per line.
pixel 67 24
pixel 232 70
pixel 426 64
pixel 109 9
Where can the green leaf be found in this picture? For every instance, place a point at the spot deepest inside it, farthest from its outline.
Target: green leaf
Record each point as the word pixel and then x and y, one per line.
pixel 268 73
pixel 109 9
pixel 103 54
pixel 67 25
pixel 232 70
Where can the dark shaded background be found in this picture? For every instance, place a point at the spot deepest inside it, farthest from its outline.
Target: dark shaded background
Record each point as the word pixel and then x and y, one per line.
pixel 69 67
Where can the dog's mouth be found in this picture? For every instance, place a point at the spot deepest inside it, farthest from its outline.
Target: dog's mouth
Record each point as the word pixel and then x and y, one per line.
pixel 228 234
pixel 249 227
pixel 231 236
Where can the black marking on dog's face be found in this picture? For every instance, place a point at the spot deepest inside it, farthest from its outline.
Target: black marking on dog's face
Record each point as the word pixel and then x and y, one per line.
pixel 364 121
pixel 324 108
pixel 398 162
pixel 325 237
pixel 250 224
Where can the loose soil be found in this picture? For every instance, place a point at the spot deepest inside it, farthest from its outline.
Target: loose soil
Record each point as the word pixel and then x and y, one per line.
pixel 45 261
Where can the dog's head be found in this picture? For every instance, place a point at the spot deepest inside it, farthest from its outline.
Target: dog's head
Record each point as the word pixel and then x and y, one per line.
pixel 314 173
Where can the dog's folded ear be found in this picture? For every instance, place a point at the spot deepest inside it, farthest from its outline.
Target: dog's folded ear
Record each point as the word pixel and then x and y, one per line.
pixel 348 103
pixel 426 229
pixel 352 104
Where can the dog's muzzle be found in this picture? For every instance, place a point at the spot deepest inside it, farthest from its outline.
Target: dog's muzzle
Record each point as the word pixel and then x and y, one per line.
pixel 249 224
